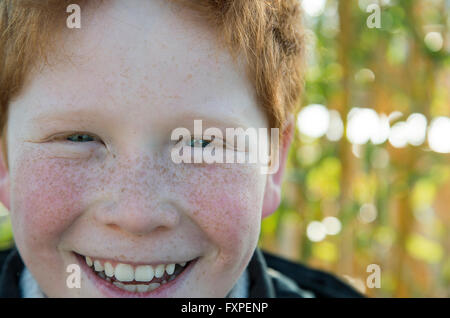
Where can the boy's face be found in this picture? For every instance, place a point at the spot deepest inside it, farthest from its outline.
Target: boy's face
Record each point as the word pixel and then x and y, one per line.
pixel 136 72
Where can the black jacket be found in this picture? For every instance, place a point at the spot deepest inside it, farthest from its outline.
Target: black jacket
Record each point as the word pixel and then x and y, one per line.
pixel 270 277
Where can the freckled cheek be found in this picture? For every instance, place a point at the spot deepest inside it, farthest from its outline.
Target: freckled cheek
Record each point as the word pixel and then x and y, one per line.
pixel 46 199
pixel 227 205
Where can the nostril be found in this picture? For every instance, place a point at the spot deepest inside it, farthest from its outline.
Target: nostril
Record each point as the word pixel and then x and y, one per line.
pixel 137 231
pixel 113 227
pixel 135 218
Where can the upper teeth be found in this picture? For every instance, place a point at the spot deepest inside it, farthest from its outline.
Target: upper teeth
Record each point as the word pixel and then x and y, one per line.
pixel 128 273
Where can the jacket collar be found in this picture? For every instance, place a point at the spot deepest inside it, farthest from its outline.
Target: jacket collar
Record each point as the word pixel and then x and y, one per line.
pixel 261 285
pixel 10 275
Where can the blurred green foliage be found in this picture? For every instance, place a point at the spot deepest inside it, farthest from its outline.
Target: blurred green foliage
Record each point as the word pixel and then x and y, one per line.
pixel 392 201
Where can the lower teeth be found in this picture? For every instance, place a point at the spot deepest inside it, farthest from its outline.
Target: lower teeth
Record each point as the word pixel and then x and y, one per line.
pixel 137 288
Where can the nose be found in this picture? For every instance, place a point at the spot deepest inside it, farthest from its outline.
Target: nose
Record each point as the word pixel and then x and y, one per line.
pixel 137 199
pixel 137 217
pixel 136 196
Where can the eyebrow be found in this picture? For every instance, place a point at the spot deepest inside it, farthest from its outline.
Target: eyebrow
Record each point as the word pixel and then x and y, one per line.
pixel 222 121
pixel 208 121
pixel 53 115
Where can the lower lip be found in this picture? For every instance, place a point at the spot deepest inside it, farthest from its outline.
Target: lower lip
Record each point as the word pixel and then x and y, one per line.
pixel 110 290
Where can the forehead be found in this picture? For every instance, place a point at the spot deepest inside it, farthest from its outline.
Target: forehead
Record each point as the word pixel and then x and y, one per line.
pixel 136 57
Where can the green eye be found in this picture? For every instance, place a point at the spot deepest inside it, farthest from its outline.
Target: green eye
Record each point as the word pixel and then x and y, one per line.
pixel 80 138
pixel 195 143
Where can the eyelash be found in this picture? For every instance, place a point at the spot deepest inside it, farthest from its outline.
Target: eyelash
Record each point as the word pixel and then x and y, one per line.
pixel 203 145
pixel 224 144
pixel 66 137
pixel 204 142
pixel 191 143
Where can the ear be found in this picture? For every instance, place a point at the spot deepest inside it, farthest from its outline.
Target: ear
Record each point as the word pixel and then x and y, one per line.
pixel 272 194
pixel 4 176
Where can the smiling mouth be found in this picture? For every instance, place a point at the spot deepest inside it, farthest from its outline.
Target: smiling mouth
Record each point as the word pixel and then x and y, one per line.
pixel 142 278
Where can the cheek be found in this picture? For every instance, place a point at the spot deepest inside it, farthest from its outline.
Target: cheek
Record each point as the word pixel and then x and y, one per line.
pixel 227 204
pixel 46 196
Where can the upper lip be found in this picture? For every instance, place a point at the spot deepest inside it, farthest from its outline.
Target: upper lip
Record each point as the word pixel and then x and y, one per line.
pixel 116 260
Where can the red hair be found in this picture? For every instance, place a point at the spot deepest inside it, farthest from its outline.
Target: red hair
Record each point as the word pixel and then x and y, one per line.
pixel 268 33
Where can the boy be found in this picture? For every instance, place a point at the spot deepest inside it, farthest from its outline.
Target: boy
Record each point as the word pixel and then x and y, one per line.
pixel 87 118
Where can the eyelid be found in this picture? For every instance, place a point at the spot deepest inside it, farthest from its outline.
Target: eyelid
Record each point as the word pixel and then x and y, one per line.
pixel 213 139
pixel 62 136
